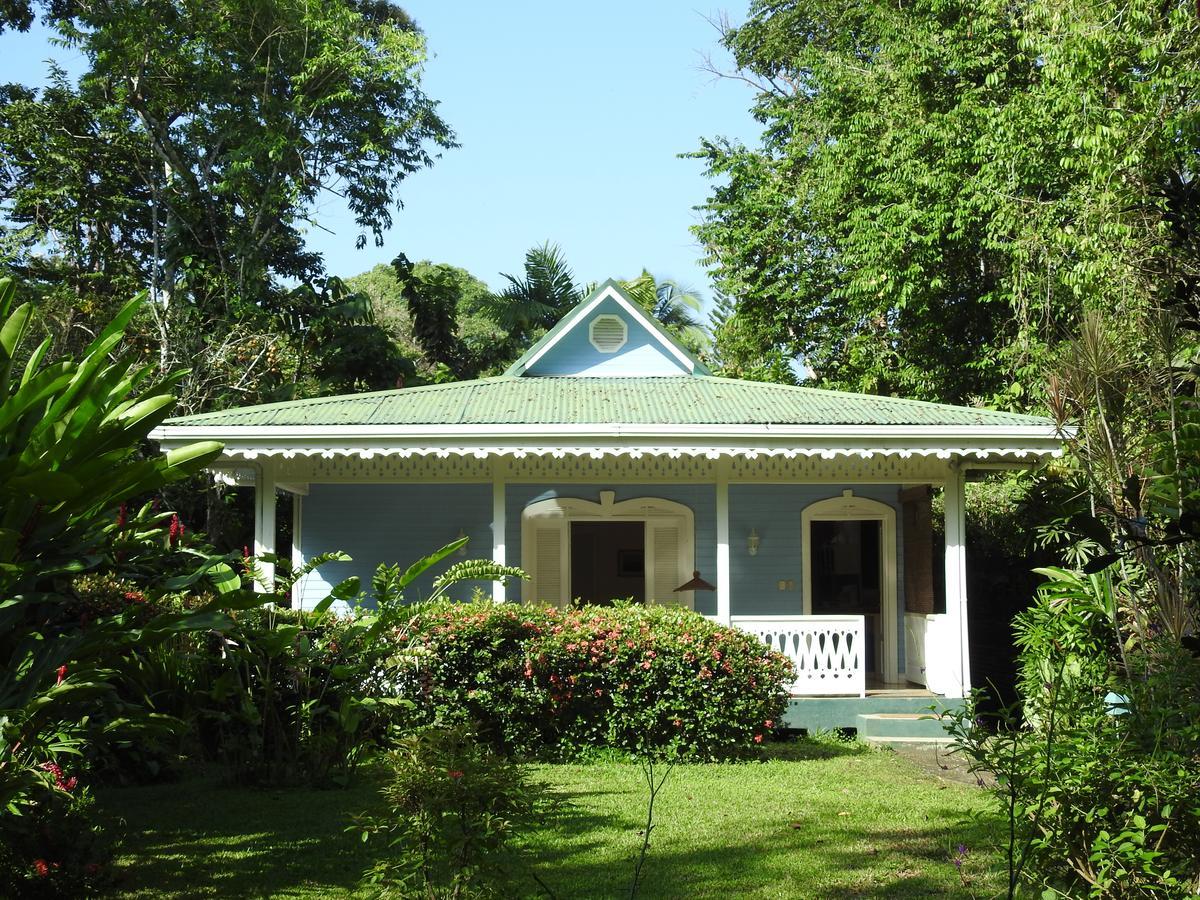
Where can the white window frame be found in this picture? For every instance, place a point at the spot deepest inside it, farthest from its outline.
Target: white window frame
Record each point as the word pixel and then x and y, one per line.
pixel 560 512
pixel 844 508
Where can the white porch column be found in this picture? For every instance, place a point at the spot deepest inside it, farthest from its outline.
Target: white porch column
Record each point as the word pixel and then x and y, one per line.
pixel 724 610
pixel 264 521
pixel 957 658
pixel 499 552
pixel 297 549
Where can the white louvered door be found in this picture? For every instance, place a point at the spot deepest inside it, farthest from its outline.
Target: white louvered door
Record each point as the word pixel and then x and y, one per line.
pixel 666 568
pixel 550 568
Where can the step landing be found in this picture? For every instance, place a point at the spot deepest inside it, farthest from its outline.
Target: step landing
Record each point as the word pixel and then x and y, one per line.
pixel 901 728
pixel 834 713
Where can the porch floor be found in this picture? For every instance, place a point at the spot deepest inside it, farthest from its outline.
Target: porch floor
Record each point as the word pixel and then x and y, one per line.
pixel 877 687
pixel 901 700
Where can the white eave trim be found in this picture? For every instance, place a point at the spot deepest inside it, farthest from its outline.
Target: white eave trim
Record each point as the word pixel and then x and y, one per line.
pixel 600 430
pixel 1025 443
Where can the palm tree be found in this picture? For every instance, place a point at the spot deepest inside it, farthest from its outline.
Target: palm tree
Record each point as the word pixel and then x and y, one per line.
pixel 545 293
pixel 673 305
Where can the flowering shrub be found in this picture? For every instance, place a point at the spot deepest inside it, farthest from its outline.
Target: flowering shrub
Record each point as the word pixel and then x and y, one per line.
pixel 650 680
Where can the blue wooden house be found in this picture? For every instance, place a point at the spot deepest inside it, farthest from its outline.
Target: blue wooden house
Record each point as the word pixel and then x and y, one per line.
pixel 608 462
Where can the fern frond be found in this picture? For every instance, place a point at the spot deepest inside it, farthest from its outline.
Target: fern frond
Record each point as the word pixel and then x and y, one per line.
pixel 475 570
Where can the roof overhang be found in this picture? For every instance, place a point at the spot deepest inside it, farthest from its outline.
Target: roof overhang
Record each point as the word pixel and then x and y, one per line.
pixel 1029 444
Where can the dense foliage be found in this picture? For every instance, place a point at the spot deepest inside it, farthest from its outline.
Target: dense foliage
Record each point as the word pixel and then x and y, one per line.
pixel 944 187
pixel 190 156
pixel 70 455
pixel 654 680
pixel 1100 783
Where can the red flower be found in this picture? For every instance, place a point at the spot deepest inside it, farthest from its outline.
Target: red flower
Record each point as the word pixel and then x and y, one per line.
pixel 175 532
pixel 245 551
pixel 768 724
pixel 135 596
pixel 41 867
pixel 62 673
pixel 455 774
pixel 122 515
pixel 758 739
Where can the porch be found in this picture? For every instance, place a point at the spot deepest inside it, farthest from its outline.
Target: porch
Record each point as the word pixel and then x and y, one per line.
pixel 833 689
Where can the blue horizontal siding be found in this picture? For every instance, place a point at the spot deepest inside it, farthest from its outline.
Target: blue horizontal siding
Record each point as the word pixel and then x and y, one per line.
pixel 400 523
pixel 392 523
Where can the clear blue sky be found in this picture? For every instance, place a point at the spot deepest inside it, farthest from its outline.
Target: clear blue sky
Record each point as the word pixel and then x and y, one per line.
pixel 570 116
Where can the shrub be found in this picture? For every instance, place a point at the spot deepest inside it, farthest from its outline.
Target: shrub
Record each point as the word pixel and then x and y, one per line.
pixel 655 680
pixel 282 695
pixel 1100 792
pixel 453 807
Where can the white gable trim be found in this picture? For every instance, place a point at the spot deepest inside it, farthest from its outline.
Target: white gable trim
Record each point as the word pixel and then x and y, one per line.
pixel 611 293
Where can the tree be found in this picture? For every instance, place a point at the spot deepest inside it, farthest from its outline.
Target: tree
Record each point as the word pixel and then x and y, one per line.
pixel 943 187
pixel 202 138
pixel 544 294
pixel 441 315
pixel 673 305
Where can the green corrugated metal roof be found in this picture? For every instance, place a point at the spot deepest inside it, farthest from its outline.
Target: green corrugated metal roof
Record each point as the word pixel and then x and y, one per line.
pixel 683 400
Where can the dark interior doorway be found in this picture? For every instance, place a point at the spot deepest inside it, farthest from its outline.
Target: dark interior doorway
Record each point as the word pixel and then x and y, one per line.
pixel 608 562
pixel 847 575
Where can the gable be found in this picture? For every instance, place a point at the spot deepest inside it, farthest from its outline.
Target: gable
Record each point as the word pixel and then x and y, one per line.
pixel 597 347
pixel 607 335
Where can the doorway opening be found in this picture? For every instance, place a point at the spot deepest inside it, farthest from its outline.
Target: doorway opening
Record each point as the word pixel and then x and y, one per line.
pixel 847 576
pixel 608 562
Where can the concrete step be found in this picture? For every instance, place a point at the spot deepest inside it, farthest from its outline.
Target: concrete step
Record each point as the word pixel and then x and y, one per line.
pixel 901 728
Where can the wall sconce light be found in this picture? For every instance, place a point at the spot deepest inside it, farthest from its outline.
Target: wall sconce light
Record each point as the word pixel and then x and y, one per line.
pixel 461 551
pixel 752 543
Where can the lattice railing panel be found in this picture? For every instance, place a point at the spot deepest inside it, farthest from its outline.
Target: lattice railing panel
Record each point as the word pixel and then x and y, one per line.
pixel 829 652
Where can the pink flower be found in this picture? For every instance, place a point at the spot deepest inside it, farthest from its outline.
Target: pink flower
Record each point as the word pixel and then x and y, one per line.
pixel 768 724
pixel 758 738
pixel 646 664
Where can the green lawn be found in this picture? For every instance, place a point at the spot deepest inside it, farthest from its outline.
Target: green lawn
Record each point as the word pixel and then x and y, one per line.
pixel 816 820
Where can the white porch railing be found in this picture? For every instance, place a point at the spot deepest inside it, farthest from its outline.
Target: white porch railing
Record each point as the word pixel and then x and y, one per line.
pixel 829 652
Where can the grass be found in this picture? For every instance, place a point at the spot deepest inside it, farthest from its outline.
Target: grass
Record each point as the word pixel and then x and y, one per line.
pixel 817 819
